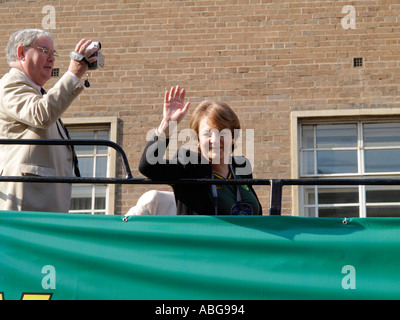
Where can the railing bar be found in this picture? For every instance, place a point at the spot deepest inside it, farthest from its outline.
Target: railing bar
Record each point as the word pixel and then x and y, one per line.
pixel 276 184
pixel 286 182
pixel 80 142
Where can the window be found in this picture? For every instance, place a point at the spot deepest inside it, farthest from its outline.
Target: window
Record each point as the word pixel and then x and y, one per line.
pixel 94 161
pixel 360 149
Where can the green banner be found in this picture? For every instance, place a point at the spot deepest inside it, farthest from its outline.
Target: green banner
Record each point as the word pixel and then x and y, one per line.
pixel 72 256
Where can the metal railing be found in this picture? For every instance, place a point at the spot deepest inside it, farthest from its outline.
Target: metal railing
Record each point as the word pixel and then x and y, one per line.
pixel 75 142
pixel 276 185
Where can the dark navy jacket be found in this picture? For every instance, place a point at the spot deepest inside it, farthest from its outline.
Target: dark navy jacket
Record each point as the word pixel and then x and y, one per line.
pixel 191 199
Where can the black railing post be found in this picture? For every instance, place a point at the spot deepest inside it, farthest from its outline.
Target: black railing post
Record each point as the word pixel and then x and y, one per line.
pixel 275 197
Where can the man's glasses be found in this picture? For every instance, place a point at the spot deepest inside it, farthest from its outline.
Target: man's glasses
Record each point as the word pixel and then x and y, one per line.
pixel 46 51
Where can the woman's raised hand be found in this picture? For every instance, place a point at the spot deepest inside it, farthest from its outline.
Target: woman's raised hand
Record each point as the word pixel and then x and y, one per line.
pixel 174 108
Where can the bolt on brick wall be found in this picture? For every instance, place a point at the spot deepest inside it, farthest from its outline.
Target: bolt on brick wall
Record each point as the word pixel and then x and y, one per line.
pixel 265 58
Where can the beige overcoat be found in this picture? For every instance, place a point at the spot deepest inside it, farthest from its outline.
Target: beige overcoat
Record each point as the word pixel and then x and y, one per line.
pixel 26 114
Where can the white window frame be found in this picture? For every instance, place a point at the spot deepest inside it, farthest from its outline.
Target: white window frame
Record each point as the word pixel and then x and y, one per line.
pixel 299 118
pixel 111 123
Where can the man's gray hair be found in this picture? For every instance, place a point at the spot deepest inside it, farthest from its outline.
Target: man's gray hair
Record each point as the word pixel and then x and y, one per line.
pixel 25 38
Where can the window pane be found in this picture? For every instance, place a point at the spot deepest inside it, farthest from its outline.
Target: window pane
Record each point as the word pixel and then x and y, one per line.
pixel 307 137
pixel 81 191
pixel 81 198
pixel 309 196
pixel 376 194
pixel 381 212
pixel 83 150
pixel 336 162
pixel 339 212
pixel 86 167
pixel 100 197
pixel 101 167
pixel 382 135
pixel 309 212
pixel 82 134
pixel 338 194
pixel 382 160
pixel 102 135
pixel 81 204
pixel 307 162
pixel 337 136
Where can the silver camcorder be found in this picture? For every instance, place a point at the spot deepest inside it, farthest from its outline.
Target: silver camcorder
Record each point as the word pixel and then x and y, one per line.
pixel 100 58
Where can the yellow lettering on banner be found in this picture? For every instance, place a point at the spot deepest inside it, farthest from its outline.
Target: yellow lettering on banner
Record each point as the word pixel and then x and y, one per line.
pixel 31 296
pixel 36 296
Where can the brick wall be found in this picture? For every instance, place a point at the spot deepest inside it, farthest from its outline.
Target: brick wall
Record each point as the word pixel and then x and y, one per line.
pixel 265 58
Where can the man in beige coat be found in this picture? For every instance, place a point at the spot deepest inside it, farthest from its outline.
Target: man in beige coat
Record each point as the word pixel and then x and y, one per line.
pixel 26 113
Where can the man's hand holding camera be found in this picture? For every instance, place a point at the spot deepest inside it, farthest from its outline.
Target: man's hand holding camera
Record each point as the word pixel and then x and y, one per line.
pixel 82 57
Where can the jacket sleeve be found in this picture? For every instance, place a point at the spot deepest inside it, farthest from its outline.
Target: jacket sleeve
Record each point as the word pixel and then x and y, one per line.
pixel 24 104
pixel 153 165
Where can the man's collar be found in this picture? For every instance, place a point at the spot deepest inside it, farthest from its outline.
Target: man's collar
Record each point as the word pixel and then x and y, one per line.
pixel 37 87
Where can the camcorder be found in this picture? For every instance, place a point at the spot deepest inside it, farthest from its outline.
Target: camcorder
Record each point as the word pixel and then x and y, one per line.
pixel 100 58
